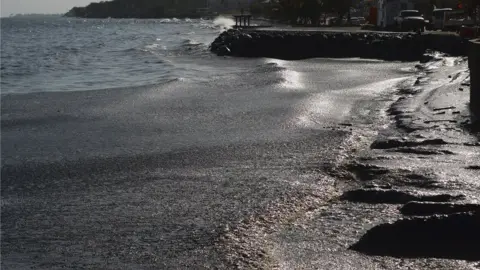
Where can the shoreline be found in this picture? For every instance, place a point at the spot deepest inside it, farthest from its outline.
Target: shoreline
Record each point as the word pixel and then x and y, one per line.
pixel 394 198
pixel 243 170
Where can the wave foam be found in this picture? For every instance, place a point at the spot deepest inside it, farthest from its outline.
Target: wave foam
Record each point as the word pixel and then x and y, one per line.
pixel 223 22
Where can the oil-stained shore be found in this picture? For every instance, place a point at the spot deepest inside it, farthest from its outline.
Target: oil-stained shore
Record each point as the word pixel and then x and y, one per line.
pixel 236 173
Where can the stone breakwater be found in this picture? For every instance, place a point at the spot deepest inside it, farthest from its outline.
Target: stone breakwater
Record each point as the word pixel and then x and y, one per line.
pixel 294 45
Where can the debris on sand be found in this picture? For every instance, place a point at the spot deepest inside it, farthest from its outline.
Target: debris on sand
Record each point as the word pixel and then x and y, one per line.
pixel 399 142
pixel 373 175
pixel 366 172
pixel 444 108
pixel 455 236
pixel 393 196
pixel 435 208
pixel 421 151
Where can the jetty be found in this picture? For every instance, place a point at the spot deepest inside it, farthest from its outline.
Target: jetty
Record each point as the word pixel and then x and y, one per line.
pixel 295 45
pixel 242 20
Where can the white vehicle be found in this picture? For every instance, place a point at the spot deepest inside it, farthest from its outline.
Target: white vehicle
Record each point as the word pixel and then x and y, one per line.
pixel 409 20
pixel 455 19
pixel 357 20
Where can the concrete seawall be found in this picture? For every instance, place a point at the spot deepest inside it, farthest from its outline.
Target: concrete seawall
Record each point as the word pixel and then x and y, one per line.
pixel 474 65
pixel 292 45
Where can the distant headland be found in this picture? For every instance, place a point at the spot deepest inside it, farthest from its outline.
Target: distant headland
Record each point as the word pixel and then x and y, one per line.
pixel 142 9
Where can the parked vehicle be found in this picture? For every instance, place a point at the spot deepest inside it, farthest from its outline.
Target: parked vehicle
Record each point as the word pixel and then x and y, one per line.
pixel 358 21
pixel 455 19
pixel 331 21
pixel 410 20
pixel 438 18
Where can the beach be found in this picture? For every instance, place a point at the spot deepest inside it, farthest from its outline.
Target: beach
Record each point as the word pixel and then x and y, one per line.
pixel 206 162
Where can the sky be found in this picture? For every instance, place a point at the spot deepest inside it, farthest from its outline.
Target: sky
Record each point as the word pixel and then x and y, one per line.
pixel 8 7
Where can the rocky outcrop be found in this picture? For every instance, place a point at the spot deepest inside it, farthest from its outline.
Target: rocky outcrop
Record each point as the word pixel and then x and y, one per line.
pixel 453 236
pixel 291 45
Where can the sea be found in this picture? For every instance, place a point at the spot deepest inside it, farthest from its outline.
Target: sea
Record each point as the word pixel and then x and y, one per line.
pixel 67 54
pixel 126 144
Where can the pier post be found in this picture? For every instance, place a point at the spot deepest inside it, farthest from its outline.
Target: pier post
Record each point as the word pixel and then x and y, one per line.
pixel 474 66
pixel 242 20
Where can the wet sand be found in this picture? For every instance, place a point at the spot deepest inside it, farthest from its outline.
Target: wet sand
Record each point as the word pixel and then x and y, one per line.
pixel 160 177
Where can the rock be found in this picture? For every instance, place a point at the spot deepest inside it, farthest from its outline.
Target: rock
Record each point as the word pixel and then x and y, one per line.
pixel 294 45
pixel 366 172
pixel 455 236
pixel 388 143
pixel 392 196
pixel 443 108
pixel 430 208
pixel 378 186
pixel 426 58
pixel 418 66
pixel 398 142
pixel 223 50
pixel 421 151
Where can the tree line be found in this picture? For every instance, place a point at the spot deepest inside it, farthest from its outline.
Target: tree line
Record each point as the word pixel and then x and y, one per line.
pixel 303 11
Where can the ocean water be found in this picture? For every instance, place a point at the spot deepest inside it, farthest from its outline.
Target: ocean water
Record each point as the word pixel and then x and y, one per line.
pixel 66 54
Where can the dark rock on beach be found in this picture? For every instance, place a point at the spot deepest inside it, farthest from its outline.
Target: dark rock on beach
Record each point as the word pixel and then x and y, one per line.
pixel 291 45
pixel 373 175
pixel 366 172
pixel 455 236
pixel 393 196
pixel 431 208
pixel 399 142
pixel 421 151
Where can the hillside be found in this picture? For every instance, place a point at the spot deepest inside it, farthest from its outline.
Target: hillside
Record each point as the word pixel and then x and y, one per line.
pixel 138 9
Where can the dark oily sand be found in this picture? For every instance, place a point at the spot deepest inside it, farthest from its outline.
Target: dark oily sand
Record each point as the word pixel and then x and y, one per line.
pixel 375 175
pixel 319 241
pixel 376 195
pixel 436 208
pixel 399 142
pixel 158 177
pixel 453 236
pixel 421 151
